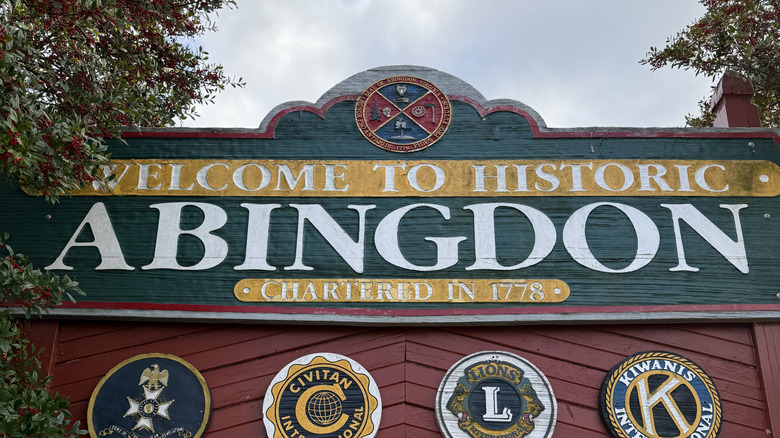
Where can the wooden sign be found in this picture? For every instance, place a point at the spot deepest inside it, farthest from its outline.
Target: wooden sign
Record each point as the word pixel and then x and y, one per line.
pixel 494 394
pixel 403 195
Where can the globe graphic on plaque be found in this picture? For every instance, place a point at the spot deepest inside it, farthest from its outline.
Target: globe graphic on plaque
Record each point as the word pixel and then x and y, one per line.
pixel 322 395
pixel 324 408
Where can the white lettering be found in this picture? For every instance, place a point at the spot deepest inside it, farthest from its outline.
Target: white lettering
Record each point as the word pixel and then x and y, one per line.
pixel 732 250
pixel 682 172
pixel 645 177
pixel 176 178
pixel 108 170
pixel 257 237
pixel 144 173
pixel 238 177
pixel 351 251
pixel 105 241
pixel 169 230
pixel 331 176
pixel 307 173
pixel 437 171
pixel 389 175
pixel 203 176
pixel 547 176
pixel 576 175
pixel 628 177
pixel 386 241
pixel 648 238
pixel 479 178
pixel 485 236
pixel 701 180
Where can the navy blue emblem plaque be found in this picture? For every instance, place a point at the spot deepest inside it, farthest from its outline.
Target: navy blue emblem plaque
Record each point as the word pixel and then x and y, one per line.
pixel 150 396
pixel 657 394
pixel 403 114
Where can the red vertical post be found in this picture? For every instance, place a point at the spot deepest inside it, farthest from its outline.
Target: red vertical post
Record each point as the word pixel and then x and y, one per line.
pixel 767 337
pixel 731 103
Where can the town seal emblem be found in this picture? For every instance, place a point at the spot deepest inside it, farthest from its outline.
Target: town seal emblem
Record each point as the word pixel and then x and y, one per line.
pixel 322 395
pixel 403 114
pixel 150 396
pixel 495 394
pixel 657 394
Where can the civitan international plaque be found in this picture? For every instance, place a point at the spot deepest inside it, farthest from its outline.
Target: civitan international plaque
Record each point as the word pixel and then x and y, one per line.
pixel 151 395
pixel 322 395
pixel 494 394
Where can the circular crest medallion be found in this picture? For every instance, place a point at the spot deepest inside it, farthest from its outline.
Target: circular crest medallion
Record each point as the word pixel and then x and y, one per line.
pixel 150 396
pixel 657 394
pixel 322 395
pixel 495 394
pixel 403 114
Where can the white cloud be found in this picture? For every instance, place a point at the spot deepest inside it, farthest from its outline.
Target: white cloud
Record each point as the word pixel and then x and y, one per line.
pixel 575 62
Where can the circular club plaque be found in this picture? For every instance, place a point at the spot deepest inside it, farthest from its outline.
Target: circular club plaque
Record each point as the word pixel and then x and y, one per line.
pixel 495 394
pixel 322 395
pixel 149 396
pixel 657 394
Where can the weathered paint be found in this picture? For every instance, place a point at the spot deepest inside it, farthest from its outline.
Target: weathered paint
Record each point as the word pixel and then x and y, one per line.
pixel 474 178
pixel 638 223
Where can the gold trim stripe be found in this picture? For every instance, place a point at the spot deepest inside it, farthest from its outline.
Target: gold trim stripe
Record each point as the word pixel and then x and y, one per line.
pixel 486 178
pixel 401 291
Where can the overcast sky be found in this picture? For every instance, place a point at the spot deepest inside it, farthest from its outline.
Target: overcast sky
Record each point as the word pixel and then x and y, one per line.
pixel 575 62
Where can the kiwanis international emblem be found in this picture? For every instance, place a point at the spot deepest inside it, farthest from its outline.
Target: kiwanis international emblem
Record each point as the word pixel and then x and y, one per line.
pixel 322 395
pixel 403 114
pixel 150 396
pixel 657 394
pixel 495 394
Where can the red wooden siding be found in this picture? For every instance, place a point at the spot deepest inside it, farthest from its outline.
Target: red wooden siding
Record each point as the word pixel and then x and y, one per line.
pixel 768 349
pixel 239 361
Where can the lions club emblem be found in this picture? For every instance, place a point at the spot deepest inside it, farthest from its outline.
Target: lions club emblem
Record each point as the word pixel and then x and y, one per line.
pixel 322 395
pixel 495 394
pixel 657 394
pixel 403 114
pixel 150 396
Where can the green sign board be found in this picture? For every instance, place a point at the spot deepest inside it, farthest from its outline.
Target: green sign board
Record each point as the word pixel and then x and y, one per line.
pixel 403 195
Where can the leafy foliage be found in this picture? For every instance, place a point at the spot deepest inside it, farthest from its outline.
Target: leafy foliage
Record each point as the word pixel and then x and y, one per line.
pixel 706 118
pixel 26 287
pixel 27 409
pixel 738 35
pixel 72 74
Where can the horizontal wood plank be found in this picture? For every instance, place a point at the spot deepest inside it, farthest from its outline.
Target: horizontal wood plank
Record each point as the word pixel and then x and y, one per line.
pixel 123 338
